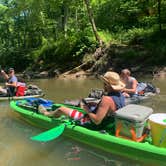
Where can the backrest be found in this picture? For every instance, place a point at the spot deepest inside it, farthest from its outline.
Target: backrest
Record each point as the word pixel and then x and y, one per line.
pixel 20 91
pixel 96 93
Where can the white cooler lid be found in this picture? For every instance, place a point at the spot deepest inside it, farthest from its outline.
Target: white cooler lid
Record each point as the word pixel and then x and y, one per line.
pixel 159 118
pixel 134 112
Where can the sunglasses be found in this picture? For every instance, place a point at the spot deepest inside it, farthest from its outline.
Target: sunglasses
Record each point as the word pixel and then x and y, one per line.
pixel 10 72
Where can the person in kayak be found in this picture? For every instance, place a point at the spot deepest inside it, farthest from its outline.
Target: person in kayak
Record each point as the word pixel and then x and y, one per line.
pixel 130 82
pixel 11 83
pixel 108 105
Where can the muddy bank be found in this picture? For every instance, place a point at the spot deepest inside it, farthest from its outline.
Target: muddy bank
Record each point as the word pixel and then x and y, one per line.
pixel 116 58
pixel 158 74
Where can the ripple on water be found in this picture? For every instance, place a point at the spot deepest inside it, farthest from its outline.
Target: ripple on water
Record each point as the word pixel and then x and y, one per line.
pixel 7 154
pixel 16 149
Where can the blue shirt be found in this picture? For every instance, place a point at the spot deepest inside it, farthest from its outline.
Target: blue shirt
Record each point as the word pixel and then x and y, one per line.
pixel 12 79
pixel 11 89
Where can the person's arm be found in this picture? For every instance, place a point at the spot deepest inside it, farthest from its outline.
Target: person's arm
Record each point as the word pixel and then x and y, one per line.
pixel 106 104
pixel 13 84
pixel 4 75
pixel 133 89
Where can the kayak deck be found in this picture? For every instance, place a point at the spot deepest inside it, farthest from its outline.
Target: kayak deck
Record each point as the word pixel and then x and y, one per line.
pixel 140 151
pixel 20 97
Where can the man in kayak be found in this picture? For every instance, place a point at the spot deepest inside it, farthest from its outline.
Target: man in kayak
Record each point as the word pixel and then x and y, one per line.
pixel 11 83
pixel 130 82
pixel 108 105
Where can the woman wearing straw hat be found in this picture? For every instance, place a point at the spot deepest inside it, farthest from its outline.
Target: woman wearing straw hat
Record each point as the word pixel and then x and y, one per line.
pixel 109 104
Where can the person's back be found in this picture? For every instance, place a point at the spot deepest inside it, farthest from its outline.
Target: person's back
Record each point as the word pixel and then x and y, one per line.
pixel 129 82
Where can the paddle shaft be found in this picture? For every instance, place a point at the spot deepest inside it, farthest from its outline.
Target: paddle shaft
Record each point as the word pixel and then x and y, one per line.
pixel 10 95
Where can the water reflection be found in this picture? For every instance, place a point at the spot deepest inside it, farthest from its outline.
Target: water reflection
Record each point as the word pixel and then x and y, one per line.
pixel 17 149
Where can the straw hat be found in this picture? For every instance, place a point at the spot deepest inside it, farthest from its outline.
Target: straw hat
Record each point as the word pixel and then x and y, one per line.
pixel 113 79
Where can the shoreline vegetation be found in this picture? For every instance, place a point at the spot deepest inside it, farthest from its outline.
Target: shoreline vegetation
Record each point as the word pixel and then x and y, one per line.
pixel 79 39
pixel 111 57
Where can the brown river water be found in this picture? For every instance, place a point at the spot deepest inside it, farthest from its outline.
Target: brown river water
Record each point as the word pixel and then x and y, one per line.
pixel 16 149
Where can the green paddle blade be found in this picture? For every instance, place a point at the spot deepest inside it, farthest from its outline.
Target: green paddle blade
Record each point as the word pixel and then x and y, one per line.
pixel 49 134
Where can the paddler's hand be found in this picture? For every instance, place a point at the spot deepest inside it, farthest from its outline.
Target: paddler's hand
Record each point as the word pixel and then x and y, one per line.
pixel 84 107
pixel 2 72
pixel 7 84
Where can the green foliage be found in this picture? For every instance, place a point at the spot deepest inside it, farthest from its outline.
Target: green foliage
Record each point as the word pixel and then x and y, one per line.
pixel 3 9
pixel 146 47
pixel 120 15
pixel 106 36
pixel 65 53
pixel 128 36
pixel 47 33
pixel 14 58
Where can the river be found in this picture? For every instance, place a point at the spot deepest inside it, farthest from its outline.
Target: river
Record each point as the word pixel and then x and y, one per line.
pixel 16 149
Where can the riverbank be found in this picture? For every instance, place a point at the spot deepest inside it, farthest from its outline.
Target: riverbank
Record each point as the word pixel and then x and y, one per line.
pixel 117 57
pixel 78 73
pixel 139 56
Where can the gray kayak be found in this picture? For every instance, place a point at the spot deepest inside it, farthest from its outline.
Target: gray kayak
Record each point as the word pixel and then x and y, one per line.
pixel 32 91
pixel 129 100
pixel 20 97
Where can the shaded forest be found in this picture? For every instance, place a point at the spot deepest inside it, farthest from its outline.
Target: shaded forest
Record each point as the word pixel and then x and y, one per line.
pixel 61 34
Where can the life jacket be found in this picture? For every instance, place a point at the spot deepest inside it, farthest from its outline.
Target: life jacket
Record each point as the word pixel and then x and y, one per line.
pixel 118 99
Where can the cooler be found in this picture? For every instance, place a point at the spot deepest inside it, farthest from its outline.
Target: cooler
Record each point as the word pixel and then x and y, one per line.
pixel 131 120
pixel 158 129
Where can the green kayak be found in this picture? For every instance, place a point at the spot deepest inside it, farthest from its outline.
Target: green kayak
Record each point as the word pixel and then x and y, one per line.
pixel 142 151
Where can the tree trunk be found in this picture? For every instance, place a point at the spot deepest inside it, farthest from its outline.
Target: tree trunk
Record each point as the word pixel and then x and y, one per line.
pixel 91 18
pixel 64 17
pixel 159 14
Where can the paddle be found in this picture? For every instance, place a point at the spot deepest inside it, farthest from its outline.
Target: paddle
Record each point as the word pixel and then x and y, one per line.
pixel 50 134
pixel 9 93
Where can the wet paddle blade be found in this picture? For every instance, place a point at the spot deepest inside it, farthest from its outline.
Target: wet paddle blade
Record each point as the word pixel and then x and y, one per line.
pixel 49 134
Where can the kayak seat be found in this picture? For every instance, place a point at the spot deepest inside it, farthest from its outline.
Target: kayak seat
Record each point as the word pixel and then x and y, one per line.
pixel 20 91
pixel 40 101
pixel 107 125
pixel 32 104
pixel 25 105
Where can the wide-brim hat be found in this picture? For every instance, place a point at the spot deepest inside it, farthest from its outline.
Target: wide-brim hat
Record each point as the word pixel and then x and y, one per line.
pixel 113 79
